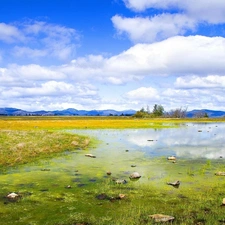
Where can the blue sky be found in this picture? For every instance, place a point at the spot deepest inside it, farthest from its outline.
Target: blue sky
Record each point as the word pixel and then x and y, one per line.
pixel 112 54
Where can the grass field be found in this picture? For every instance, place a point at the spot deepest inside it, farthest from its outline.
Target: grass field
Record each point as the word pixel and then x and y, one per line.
pixel 46 200
pixel 30 123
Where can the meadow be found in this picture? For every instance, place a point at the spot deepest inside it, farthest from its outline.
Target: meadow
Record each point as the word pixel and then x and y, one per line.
pixel 38 162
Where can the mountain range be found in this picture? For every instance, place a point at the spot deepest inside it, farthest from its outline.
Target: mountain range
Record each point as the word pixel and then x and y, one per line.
pixel 66 112
pixel 108 112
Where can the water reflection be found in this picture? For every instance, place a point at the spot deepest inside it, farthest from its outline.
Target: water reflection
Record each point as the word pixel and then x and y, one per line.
pixel 197 140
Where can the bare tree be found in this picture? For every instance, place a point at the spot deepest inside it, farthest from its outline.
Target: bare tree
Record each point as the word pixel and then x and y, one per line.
pixel 178 113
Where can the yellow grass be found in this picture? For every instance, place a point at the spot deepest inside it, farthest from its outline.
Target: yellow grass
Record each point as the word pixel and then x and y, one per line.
pixel 27 123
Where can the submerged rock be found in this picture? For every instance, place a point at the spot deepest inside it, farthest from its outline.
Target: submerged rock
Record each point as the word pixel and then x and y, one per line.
pixel 90 155
pixel 102 196
pixel 135 176
pixel 45 169
pixel 120 181
pixel 161 218
pixel 175 184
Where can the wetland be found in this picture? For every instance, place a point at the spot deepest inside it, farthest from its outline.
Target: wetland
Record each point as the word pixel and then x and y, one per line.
pixel 67 187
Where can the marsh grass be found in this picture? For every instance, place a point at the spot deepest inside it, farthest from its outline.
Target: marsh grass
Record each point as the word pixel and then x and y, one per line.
pixel 46 200
pixel 18 147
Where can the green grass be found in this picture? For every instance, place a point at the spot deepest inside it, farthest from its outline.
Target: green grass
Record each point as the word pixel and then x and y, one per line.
pixel 46 200
pixel 18 147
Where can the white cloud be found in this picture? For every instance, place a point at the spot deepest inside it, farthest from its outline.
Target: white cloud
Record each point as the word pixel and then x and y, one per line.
pixel 191 59
pixel 10 33
pixel 16 75
pixel 36 39
pixel 57 40
pixel 27 51
pixel 175 56
pixel 51 89
pixel 189 15
pixel 211 81
pixel 204 11
pixel 172 98
pixel 143 94
pixel 201 10
pixel 153 28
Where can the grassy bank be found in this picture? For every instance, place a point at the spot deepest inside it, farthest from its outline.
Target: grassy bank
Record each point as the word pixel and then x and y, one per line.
pixel 21 146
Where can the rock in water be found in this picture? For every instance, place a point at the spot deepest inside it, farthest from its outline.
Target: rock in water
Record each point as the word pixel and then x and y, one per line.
pixel 118 181
pixel 174 184
pixel 161 218
pixel 90 155
pixel 135 176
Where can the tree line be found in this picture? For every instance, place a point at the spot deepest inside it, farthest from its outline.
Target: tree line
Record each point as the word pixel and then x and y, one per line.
pixel 158 111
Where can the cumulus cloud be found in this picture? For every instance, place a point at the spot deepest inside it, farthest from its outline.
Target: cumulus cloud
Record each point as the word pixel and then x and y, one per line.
pixel 178 56
pixel 51 89
pixel 149 29
pixel 143 93
pixel 190 60
pixel 189 15
pixel 25 75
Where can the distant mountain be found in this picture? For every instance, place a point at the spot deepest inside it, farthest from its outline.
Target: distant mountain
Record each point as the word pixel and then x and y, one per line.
pixel 202 112
pixel 108 112
pixel 66 112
